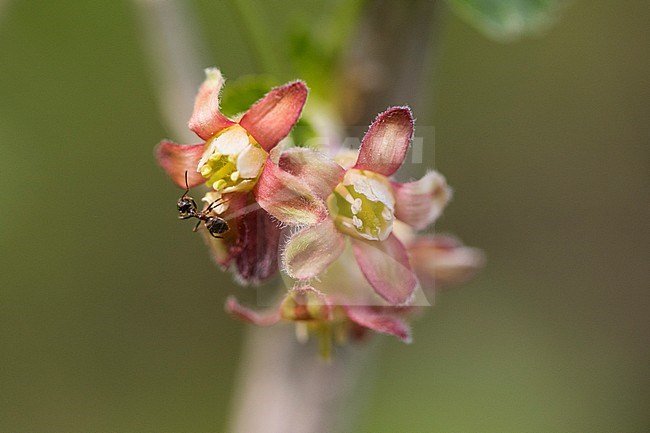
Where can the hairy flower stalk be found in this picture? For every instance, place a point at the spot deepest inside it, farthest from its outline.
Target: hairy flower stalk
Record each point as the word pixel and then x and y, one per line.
pixel 354 260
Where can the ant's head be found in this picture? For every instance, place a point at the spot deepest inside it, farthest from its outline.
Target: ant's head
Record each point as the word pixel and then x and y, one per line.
pixel 185 204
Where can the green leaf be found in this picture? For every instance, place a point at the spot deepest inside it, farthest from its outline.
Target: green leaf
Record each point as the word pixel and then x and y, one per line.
pixel 312 58
pixel 238 95
pixel 507 20
pixel 303 134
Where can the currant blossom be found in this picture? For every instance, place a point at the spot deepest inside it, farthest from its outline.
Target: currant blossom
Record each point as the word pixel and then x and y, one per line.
pixel 442 261
pixel 240 161
pixel 363 207
pixel 315 313
pixel 236 155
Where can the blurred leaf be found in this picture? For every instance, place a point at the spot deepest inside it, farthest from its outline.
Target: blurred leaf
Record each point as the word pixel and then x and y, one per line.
pixel 303 134
pixel 507 20
pixel 238 95
pixel 312 58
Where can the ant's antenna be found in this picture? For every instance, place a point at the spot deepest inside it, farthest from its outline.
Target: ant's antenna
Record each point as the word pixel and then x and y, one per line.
pixel 187 187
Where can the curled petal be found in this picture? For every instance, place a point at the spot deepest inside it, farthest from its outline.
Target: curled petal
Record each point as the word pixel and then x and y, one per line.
pixel 384 146
pixel 442 261
pixel 266 318
pixel 385 265
pixel 308 252
pixel 380 320
pixel 176 159
pixel 286 198
pixel 421 202
pixel 271 118
pixel 206 118
pixel 315 169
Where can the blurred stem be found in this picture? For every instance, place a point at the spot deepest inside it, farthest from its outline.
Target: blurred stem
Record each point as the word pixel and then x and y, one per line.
pixel 391 60
pixel 258 36
pixel 286 387
pixel 174 52
pixel 283 385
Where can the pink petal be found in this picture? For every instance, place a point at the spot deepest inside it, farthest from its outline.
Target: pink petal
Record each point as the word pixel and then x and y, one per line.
pixel 308 252
pixel 206 118
pixel 420 203
pixel 379 320
pixel 442 261
pixel 258 246
pixel 176 159
pixel 315 169
pixel 266 318
pixel 385 265
pixel 288 199
pixel 384 146
pixel 271 118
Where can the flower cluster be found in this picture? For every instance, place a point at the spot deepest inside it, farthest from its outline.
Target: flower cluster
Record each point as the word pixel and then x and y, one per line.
pixel 341 230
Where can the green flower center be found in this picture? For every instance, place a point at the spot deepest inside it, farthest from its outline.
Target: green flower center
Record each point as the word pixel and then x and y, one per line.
pixel 232 160
pixel 363 205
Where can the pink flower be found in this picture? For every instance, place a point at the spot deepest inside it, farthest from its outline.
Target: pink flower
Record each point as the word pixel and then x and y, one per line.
pixel 237 154
pixel 441 261
pixel 363 207
pixel 326 317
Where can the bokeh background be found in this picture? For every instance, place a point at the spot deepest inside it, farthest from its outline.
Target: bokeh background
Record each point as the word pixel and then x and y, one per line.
pixel 111 314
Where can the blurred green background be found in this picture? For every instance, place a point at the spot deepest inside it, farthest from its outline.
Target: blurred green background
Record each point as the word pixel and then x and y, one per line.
pixel 111 313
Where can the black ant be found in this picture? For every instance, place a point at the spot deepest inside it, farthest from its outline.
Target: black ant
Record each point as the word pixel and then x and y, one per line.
pixel 187 209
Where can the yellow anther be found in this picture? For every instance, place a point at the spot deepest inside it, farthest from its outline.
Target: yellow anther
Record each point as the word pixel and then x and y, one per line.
pixel 219 185
pixel 206 170
pixel 234 176
pixel 216 156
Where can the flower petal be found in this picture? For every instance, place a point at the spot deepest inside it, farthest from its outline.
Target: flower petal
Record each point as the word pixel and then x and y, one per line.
pixel 380 320
pixel 308 252
pixel 271 118
pixel 232 142
pixel 266 318
pixel 442 261
pixel 206 118
pixel 421 202
pixel 258 246
pixel 250 162
pixel 286 198
pixel 385 265
pixel 384 146
pixel 319 172
pixel 176 159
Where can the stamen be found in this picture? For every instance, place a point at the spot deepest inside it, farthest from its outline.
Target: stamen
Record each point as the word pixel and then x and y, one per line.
pixel 234 176
pixel 206 170
pixel 356 206
pixel 219 185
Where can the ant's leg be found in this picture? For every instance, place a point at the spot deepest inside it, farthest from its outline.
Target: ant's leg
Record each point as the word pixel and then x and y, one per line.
pixel 214 204
pixel 196 227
